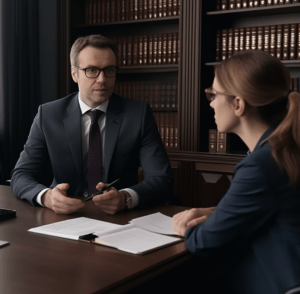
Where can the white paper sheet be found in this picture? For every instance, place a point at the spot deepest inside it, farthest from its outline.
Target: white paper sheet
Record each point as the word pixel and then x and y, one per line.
pixel 156 222
pixel 74 228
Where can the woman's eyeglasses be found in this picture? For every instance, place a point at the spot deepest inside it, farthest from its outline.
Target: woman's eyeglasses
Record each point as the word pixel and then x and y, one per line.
pixel 211 94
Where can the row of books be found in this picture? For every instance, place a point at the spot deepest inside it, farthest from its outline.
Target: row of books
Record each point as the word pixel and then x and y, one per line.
pixel 217 141
pixel 105 11
pixel 238 4
pixel 160 95
pixel 167 123
pixel 281 41
pixel 154 49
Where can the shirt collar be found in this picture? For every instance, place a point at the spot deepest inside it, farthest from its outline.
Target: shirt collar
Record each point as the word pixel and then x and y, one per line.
pixel 85 108
pixel 264 137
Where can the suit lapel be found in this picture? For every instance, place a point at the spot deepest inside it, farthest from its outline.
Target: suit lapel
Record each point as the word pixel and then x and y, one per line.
pixel 72 125
pixel 113 123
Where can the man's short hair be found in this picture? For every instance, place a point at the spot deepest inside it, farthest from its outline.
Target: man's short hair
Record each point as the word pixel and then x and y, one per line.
pixel 96 41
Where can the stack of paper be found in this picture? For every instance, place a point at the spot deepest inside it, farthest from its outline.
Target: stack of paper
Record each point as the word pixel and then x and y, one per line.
pixel 142 235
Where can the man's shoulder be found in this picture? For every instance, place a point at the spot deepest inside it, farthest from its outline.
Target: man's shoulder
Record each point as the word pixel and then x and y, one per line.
pixel 61 102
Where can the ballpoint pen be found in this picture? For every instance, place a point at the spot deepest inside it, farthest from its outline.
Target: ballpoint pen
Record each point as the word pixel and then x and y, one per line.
pixel 101 191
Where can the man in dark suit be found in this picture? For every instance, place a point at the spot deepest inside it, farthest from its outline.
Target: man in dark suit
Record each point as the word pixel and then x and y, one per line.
pixel 59 139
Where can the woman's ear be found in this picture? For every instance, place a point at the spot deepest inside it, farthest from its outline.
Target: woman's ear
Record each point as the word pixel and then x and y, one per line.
pixel 239 106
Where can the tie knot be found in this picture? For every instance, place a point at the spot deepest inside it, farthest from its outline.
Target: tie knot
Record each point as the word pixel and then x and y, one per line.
pixel 94 114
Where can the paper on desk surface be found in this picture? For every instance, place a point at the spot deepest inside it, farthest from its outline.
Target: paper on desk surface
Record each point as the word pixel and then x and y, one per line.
pixel 156 222
pixel 136 240
pixel 74 228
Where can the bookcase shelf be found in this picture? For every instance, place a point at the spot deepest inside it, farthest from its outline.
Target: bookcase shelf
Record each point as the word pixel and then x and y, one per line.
pixel 148 69
pixel 201 177
pixel 257 11
pixel 158 21
pixel 287 63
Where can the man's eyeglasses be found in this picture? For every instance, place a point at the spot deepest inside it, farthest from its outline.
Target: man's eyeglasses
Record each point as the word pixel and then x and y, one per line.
pixel 94 72
pixel 211 94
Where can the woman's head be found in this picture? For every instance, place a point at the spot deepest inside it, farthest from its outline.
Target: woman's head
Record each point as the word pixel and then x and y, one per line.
pixel 254 75
pixel 263 82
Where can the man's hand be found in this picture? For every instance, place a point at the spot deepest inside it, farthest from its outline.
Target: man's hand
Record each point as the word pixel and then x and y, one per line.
pixel 111 201
pixel 189 218
pixel 57 200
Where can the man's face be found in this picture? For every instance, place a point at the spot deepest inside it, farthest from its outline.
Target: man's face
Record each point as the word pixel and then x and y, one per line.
pixel 95 91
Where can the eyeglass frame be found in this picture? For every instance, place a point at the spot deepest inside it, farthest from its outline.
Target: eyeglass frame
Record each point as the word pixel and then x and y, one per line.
pixel 209 91
pixel 100 69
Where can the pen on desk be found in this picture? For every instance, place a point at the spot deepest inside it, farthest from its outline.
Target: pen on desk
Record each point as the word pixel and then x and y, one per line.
pixel 101 191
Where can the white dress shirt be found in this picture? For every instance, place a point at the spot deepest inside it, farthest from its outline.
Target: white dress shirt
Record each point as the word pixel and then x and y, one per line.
pixel 85 128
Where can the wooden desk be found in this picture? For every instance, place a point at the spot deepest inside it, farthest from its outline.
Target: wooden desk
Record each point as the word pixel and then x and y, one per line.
pixel 35 263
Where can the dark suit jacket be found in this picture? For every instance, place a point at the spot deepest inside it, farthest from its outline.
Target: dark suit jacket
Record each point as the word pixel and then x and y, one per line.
pixel 131 140
pixel 255 229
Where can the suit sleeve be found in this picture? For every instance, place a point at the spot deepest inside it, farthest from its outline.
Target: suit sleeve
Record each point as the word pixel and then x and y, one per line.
pixel 157 186
pixel 34 160
pixel 243 211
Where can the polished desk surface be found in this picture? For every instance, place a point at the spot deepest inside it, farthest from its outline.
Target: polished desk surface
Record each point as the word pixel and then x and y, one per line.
pixel 35 263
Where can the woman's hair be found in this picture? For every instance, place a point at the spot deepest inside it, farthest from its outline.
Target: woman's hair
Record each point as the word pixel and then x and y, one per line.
pixel 264 82
pixel 96 41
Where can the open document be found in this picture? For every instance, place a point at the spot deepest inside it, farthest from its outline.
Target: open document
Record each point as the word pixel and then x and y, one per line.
pixel 136 237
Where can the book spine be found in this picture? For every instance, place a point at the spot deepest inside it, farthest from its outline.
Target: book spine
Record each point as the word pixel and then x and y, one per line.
pixel 154 49
pixel 230 42
pixel 245 4
pixel 145 49
pixel 293 31
pixel 140 50
pixel 212 141
pixel 260 38
pixel 171 130
pixel 298 42
pixel 286 41
pixel 221 142
pixel 247 38
pixel 165 8
pixel 242 39
pixel 135 9
pixel 145 10
pixel 224 5
pixel 175 47
pixel 170 8
pixel 159 8
pixel 236 40
pixel 224 36
pixel 253 38
pixel 238 4
pixel 279 41
pixel 273 40
pixel 267 39
pixel 164 48
pixel 150 49
pixel 150 8
pixel 231 4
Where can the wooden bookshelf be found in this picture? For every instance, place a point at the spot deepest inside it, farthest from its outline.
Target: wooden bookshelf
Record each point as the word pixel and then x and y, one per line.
pixel 198 173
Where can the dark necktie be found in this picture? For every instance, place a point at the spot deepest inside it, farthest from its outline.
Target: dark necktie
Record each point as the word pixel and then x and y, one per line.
pixel 94 153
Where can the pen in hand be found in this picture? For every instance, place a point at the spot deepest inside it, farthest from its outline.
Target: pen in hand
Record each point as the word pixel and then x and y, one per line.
pixel 101 191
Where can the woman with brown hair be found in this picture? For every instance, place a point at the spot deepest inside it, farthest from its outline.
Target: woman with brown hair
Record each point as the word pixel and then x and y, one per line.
pixel 255 228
